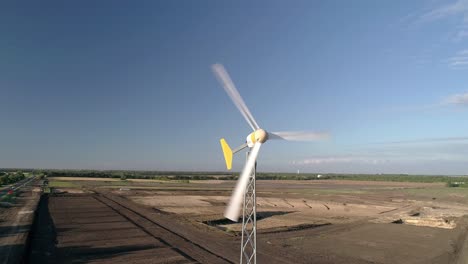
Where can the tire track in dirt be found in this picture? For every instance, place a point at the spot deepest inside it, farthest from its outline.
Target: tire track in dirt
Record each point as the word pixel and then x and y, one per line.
pixel 267 201
pixel 182 245
pixel 395 209
pixel 461 244
pixel 286 201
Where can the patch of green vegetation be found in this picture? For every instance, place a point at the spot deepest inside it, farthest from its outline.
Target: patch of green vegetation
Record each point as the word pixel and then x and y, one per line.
pixel 63 184
pixel 11 198
pixel 8 198
pixel 117 183
pixel 452 184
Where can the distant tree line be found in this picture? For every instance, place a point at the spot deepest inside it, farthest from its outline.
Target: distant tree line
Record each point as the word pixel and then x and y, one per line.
pixel 175 175
pixel 153 175
pixel 10 177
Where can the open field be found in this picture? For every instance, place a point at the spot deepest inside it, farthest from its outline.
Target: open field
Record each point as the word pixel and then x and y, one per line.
pixel 327 221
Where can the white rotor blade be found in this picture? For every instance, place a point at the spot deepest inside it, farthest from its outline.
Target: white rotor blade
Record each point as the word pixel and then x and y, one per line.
pixel 233 209
pixel 225 80
pixel 298 135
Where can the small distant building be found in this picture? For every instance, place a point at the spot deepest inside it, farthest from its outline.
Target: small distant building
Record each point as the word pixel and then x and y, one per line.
pixel 319 176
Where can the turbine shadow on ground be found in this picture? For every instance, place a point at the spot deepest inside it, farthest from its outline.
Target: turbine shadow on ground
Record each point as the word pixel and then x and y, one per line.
pixel 260 216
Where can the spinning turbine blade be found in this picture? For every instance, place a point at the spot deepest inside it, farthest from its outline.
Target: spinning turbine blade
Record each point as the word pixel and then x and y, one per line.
pixel 233 209
pixel 298 135
pixel 225 80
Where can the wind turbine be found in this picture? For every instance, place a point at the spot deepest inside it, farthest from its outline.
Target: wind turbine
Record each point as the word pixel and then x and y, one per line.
pixel 245 188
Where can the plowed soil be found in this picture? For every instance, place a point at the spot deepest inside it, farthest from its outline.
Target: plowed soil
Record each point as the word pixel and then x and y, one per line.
pixel 104 228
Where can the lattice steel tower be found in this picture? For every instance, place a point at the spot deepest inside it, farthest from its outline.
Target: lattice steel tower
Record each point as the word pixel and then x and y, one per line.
pixel 249 222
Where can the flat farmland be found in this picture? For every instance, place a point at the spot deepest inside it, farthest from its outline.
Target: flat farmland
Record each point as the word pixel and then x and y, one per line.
pixel 319 221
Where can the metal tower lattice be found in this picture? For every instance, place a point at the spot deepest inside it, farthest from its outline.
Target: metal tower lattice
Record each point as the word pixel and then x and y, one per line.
pixel 249 222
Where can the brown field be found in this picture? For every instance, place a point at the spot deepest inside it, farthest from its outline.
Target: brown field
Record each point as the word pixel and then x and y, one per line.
pixel 298 221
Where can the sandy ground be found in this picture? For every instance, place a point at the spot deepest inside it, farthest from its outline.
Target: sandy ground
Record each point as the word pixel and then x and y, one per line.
pixel 370 222
pixel 312 202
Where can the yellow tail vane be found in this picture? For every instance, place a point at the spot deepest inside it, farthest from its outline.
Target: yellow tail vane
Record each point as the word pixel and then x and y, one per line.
pixel 227 153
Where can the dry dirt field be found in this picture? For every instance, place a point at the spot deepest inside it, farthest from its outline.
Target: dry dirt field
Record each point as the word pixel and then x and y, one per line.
pixel 321 221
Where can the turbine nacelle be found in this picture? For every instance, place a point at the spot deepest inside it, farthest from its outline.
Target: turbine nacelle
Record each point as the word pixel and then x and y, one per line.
pixel 258 135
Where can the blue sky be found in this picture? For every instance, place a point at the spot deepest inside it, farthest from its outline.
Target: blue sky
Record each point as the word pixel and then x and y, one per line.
pixel 125 85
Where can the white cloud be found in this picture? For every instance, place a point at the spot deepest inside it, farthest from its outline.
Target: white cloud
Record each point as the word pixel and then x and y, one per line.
pixel 457 10
pixel 460 60
pixel 448 101
pixel 395 154
pixel 339 160
pixel 457 99
pixel 463 33
pixel 428 140
pixel 425 156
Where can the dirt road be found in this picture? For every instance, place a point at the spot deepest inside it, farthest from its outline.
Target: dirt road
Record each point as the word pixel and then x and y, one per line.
pixel 15 223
